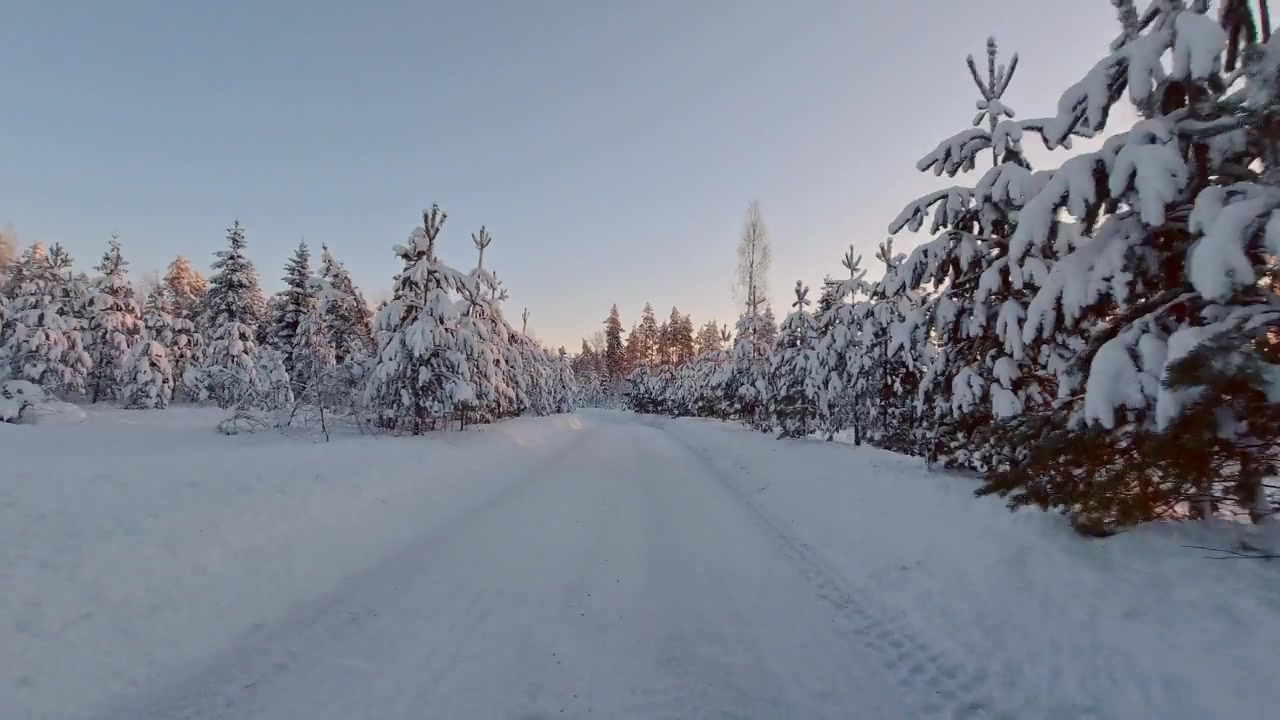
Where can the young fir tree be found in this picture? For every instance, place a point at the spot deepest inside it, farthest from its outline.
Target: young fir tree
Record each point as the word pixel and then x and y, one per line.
pixel 421 374
pixel 115 325
pixel 1168 290
pixel 43 343
pixel 230 374
pixel 793 402
pixel 296 301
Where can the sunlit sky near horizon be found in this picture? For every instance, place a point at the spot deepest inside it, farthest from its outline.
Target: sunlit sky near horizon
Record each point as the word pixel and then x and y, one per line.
pixel 611 147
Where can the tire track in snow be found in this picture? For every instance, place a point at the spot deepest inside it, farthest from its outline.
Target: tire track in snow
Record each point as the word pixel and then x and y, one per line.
pixel 218 687
pixel 935 682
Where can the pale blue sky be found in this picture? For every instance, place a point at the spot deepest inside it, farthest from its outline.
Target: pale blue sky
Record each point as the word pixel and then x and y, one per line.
pixel 611 146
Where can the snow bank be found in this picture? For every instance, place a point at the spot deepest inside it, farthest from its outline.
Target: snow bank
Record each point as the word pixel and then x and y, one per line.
pixel 135 541
pixel 1135 626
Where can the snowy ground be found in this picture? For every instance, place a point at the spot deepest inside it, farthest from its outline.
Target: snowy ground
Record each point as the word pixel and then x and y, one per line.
pixel 595 565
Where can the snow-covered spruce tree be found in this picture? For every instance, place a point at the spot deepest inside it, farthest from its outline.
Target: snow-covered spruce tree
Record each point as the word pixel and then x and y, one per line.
pixel 793 402
pixel 968 331
pixel 295 301
pixel 234 293
pixel 42 342
pixel 421 375
pixel 312 359
pixel 348 319
pixel 115 325
pixel 157 323
pixel 76 296
pixel 1168 288
pixel 229 375
pixel 148 379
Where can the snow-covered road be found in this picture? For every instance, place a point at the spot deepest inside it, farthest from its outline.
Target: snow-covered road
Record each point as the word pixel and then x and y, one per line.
pixel 615 575
pixel 593 565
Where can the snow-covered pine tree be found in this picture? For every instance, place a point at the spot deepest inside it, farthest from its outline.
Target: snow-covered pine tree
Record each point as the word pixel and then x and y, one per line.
pixel 842 312
pixel 664 349
pixel 647 337
pixel 708 339
pixel 680 338
pixel 793 402
pixel 767 328
pixel 1168 288
pixel 614 352
pixel 631 348
pixel 967 333
pixel 421 374
pixel 888 376
pixel 8 259
pixel 746 383
pixel 42 342
pixel 186 289
pixel 294 302
pixel 115 325
pixel 230 373
pixel 486 339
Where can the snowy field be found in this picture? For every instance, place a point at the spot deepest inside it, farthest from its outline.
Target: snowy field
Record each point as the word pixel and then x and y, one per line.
pixel 594 565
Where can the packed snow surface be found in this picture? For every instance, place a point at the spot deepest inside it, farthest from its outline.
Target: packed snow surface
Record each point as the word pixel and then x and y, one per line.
pixel 591 565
